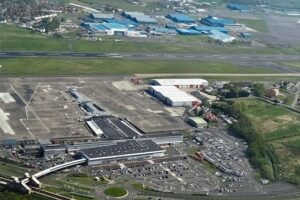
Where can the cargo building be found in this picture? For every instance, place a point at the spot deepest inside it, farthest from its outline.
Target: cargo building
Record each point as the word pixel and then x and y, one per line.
pixel 180 18
pixel 181 83
pixel 173 96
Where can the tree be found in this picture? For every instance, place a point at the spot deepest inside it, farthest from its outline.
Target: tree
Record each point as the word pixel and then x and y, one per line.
pixel 259 90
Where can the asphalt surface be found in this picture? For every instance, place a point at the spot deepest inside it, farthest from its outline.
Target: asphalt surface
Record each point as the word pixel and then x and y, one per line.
pixel 273 62
pixel 175 56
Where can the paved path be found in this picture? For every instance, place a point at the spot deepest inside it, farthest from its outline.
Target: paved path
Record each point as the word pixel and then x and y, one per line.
pixel 218 74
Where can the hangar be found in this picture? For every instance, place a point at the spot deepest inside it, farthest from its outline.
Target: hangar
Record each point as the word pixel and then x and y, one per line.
pixel 214 21
pixel 181 83
pixel 173 96
pixel 180 18
pixel 112 128
pixel 139 17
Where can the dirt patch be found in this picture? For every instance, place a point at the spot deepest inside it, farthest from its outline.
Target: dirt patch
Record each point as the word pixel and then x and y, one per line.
pixel 276 123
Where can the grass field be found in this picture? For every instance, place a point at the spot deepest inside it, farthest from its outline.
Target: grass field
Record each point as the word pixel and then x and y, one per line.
pixel 69 66
pixel 280 128
pixel 292 64
pixel 8 169
pixel 257 24
pixel 13 38
pixel 115 191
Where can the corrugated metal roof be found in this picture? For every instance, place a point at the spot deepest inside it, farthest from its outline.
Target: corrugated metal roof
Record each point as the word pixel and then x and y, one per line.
pixel 114 26
pixel 174 94
pixel 178 17
pixel 198 120
pixel 181 81
pixel 209 28
pixel 217 35
pixel 214 21
pixel 140 17
pixel 102 15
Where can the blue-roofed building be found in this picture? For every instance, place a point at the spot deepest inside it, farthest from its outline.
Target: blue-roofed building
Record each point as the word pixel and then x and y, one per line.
pixel 214 21
pixel 126 22
pixel 220 36
pixel 238 7
pixel 245 35
pixel 180 18
pixel 162 31
pixel 139 17
pixel 107 28
pixel 101 16
pixel 114 26
pixel 209 28
pixel 94 26
pixel 188 32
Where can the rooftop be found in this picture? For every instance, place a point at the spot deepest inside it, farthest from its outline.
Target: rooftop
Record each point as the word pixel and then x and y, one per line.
pixel 178 17
pixel 114 25
pixel 214 21
pixel 217 35
pixel 209 28
pixel 198 120
pixel 97 15
pixel 174 94
pixel 180 81
pixel 124 148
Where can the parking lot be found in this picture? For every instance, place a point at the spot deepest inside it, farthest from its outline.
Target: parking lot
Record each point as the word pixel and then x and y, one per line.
pixel 228 152
pixel 182 175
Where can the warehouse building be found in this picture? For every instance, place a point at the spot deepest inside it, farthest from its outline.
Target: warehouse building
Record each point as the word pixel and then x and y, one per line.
pixel 139 17
pixel 181 83
pixel 173 96
pixel 214 21
pixel 126 22
pixel 219 36
pixel 197 122
pixel 112 128
pixel 101 16
pixel 188 32
pixel 180 18
pixel 161 31
pixel 238 7
pixel 122 151
pixel 204 29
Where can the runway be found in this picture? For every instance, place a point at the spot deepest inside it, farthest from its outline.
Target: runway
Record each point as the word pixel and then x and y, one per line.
pixel 160 56
pixel 271 61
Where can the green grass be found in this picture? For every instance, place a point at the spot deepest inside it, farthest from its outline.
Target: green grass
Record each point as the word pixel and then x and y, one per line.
pixel 67 192
pixel 280 128
pixel 292 64
pixel 138 186
pixel 11 170
pixel 86 181
pixel 68 66
pixel 274 122
pixel 115 191
pixel 257 24
pixel 294 146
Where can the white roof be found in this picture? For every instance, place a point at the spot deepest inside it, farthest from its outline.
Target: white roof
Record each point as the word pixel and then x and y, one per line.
pixel 174 94
pixel 181 81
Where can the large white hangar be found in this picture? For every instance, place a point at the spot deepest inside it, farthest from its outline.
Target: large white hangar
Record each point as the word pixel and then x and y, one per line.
pixel 181 83
pixel 173 96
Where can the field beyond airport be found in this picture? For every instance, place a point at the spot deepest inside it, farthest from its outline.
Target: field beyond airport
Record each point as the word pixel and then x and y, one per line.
pixel 280 127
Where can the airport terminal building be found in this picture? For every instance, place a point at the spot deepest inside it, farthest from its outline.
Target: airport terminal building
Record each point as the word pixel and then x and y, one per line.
pixel 122 151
